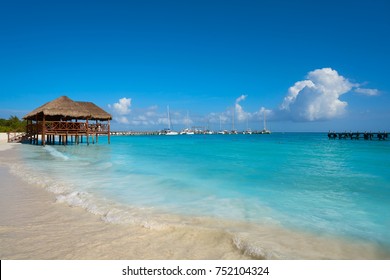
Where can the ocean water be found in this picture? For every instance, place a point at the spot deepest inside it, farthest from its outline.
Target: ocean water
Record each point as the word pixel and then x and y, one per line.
pixel 301 182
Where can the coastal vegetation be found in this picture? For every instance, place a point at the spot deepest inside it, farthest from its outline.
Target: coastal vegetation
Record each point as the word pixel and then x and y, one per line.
pixel 12 124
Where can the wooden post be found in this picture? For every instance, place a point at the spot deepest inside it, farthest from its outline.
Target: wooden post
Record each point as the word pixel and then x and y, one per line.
pixel 109 133
pixel 43 130
pixel 97 131
pixel 36 130
pixel 29 126
pixel 87 132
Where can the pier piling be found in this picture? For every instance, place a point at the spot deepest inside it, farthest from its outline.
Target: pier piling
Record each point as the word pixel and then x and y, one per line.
pixel 358 135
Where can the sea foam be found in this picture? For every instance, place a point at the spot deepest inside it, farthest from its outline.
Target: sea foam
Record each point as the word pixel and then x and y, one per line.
pixel 56 153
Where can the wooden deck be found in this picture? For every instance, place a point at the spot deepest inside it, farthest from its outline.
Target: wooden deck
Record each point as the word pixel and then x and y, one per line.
pixel 50 132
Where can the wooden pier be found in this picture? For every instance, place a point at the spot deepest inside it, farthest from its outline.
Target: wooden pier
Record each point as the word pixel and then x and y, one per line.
pixel 358 135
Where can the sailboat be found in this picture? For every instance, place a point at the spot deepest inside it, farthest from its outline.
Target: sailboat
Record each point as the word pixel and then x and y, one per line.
pixel 220 127
pixel 169 131
pixel 265 130
pixel 234 131
pixel 248 130
pixel 187 131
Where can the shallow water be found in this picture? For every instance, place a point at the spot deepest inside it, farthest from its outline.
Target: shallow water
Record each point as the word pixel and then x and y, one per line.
pixel 265 191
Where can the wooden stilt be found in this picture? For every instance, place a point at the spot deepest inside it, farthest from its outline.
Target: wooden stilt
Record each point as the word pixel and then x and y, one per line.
pixel 37 130
pixel 109 133
pixel 43 130
pixel 96 131
pixel 87 132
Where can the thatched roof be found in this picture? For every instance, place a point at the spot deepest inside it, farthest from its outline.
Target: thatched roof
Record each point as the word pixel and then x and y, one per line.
pixel 65 108
pixel 96 112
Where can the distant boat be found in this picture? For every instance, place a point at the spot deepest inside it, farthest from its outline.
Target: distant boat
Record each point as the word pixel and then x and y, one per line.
pixel 265 130
pixel 187 131
pixel 220 127
pixel 248 130
pixel 169 131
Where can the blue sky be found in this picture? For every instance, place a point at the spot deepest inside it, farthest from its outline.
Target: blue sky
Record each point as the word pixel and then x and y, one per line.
pixel 311 65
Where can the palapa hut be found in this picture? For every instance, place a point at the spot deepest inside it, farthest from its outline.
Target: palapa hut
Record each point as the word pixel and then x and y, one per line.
pixel 65 118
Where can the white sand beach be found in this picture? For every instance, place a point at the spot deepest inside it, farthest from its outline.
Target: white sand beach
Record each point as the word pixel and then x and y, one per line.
pixel 3 138
pixel 33 225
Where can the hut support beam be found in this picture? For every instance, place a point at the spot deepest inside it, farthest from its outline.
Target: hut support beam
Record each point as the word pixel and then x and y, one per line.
pixel 109 133
pixel 43 130
pixel 87 132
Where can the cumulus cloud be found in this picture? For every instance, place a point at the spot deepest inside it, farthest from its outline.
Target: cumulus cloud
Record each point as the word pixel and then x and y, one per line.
pixel 240 113
pixel 317 97
pixel 120 109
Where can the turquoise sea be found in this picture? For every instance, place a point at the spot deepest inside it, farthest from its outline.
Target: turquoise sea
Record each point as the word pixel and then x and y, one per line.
pixel 302 182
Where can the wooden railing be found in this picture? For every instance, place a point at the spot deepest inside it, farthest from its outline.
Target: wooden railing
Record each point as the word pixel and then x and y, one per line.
pixel 67 127
pixel 14 137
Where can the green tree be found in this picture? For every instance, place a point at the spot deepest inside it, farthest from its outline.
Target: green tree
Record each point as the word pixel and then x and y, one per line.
pixel 13 124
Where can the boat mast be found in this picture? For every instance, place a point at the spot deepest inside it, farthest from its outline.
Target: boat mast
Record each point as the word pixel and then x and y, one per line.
pixel 233 120
pixel 188 120
pixel 169 119
pixel 264 121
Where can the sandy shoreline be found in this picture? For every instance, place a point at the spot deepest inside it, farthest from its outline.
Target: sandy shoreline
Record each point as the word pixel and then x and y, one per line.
pixel 34 226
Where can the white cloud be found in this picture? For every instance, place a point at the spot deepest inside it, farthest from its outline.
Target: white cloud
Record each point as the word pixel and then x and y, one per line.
pixel 122 120
pixel 122 107
pixel 318 97
pixel 293 93
pixel 367 91
pixel 223 117
pixel 241 98
pixel 120 110
pixel 241 115
pixel 260 114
